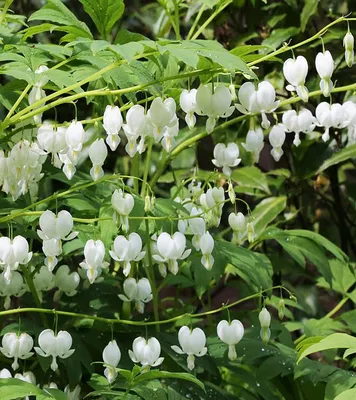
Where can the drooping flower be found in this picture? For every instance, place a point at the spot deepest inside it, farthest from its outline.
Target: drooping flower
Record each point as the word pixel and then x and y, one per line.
pixel 52 140
pixel 192 343
pixel 298 122
pixel 16 347
pixel 111 357
pixel 43 280
pixel 348 43
pixel 212 202
pixel 122 203
pixel 66 281
pixel 97 154
pixel 265 320
pixel 230 333
pixel 127 250
pixel 331 116
pixel 295 72
pixel 146 352
pixel 138 291
pixel 16 288
pixel 254 143
pixel 261 100
pixel 12 254
pixel 324 64
pixel 74 137
pixel 55 346
pixel 138 125
pixel 112 123
pixel 214 103
pixel 5 374
pixel 226 157
pixel 238 224
pixel 206 244
pixel 94 253
pixel 170 248
pixel 162 115
pixel 277 137
pixel 188 104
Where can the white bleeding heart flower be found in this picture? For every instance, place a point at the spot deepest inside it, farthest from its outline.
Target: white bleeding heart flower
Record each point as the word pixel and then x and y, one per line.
pixel 16 288
pixel 350 113
pixel 277 137
pixel 126 250
pixel 261 100
pixel 146 352
pixel 162 115
pixel 41 78
pixel 324 64
pixel 56 227
pixel 254 143
pixel 5 374
pixel 122 203
pixel 74 136
pixel 112 123
pixel 238 224
pixel 138 291
pixel 138 125
pixel 212 202
pixel 295 72
pixel 303 121
pixel 348 43
pixel 206 244
pixel 192 343
pixel 331 116
pixel 214 104
pixel 188 104
pixel 44 280
pixel 26 377
pixel 52 140
pixel 55 346
pixel 12 254
pixel 16 347
pixel 97 154
pixel 226 157
pixel 170 249
pixel 94 254
pixel 265 320
pixel 66 281
pixel 196 225
pixel 111 357
pixel 231 333
pixel 51 249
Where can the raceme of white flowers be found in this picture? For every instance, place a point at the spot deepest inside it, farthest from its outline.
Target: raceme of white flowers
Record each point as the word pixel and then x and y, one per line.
pixel 21 167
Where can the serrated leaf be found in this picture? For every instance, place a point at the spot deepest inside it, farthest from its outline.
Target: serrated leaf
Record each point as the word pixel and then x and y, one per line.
pixel 339 157
pixel 309 9
pixel 104 13
pixel 56 11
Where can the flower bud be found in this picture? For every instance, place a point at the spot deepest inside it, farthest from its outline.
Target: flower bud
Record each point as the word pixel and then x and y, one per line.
pixel 233 92
pixel 231 193
pixel 281 307
pixel 349 49
pixel 265 318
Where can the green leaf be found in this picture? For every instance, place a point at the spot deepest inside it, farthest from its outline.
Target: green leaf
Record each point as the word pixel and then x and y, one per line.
pixel 334 341
pixel 56 11
pixel 11 389
pixel 339 157
pixel 347 395
pixel 309 9
pixel 169 375
pixel 252 266
pixel 279 36
pixel 104 13
pixel 251 177
pixel 266 212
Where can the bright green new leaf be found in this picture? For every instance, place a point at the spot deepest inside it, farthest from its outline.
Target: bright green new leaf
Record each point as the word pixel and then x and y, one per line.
pixel 11 389
pixel 310 8
pixel 347 395
pixel 104 13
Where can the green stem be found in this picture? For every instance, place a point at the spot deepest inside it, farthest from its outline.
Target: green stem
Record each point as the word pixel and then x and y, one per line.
pixel 147 167
pixel 210 19
pixel 31 285
pixel 196 21
pixel 151 277
pixel 135 170
pixel 136 323
pixel 17 102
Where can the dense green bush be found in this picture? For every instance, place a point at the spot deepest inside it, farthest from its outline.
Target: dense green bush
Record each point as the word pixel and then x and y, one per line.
pixel 177 199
